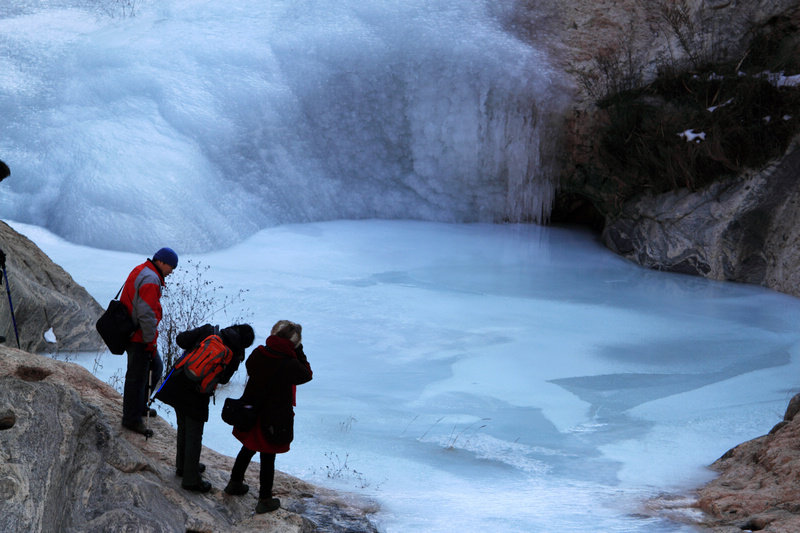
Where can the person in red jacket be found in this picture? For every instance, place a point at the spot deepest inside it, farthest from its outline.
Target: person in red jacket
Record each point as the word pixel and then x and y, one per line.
pixel 142 297
pixel 274 370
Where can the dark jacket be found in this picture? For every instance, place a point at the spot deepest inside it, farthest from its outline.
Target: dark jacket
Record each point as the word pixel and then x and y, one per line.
pixel 273 372
pixel 181 393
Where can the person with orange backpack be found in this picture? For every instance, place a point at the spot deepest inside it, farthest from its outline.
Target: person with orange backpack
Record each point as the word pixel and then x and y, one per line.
pixel 212 357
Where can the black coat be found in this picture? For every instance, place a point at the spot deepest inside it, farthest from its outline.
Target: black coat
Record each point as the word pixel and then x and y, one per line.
pixel 273 372
pixel 181 393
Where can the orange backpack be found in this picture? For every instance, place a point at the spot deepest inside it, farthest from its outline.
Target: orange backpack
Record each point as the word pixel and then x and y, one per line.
pixel 206 362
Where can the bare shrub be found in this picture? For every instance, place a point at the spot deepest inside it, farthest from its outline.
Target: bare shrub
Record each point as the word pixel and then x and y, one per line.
pixel 190 300
pixel 696 32
pixel 699 120
pixel 118 8
pixel 649 139
pixel 616 70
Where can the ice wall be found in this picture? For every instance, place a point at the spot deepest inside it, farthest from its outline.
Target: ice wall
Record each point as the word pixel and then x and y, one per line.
pixel 195 123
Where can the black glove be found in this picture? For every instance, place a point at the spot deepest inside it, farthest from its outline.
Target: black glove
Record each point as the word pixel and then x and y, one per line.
pixel 301 356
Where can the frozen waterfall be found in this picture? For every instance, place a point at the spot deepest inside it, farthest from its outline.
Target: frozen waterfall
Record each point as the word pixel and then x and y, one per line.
pixel 197 123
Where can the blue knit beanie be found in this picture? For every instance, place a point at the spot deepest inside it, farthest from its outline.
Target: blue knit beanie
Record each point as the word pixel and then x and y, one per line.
pixel 168 256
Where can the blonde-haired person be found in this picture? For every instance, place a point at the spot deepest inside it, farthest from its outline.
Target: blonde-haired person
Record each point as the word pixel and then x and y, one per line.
pixel 274 370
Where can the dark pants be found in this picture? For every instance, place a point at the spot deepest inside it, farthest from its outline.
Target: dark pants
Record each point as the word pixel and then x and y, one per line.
pixel 266 476
pixel 190 443
pixel 134 398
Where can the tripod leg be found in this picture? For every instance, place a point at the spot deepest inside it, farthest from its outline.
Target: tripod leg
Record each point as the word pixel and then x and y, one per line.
pixel 11 305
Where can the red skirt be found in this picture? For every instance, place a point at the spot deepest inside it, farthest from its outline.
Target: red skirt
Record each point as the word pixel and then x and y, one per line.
pixel 254 440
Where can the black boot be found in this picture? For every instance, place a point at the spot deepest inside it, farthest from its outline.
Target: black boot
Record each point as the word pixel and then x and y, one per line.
pixel 139 428
pixel 237 488
pixel 268 505
pixel 203 486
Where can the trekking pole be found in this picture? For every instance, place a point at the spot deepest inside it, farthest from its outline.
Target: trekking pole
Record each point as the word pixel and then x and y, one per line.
pixel 8 291
pixel 163 382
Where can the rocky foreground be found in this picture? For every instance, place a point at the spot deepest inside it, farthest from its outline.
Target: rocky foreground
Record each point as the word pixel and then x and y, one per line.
pixel 66 464
pixel 759 484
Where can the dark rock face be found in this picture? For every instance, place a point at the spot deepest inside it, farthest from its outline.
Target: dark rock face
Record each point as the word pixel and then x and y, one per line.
pixel 743 229
pixel 66 464
pixel 44 297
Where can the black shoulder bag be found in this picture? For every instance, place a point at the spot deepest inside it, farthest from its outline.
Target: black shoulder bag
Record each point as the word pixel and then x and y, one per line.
pixel 116 326
pixel 239 414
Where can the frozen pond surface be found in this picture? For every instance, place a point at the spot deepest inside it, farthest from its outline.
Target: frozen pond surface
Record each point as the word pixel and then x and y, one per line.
pixel 475 377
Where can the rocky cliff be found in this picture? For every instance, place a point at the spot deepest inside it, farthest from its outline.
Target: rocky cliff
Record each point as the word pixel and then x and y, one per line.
pixel 52 312
pixel 66 464
pixel 742 226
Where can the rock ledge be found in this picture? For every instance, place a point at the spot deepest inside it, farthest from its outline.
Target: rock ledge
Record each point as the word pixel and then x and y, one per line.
pixel 759 484
pixel 66 465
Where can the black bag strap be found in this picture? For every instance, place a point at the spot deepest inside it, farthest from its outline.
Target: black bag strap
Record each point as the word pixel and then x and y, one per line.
pixel 119 292
pixel 273 351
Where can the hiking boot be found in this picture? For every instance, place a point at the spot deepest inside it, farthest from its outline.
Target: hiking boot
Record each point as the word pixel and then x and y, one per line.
pixel 139 428
pixel 204 486
pixel 237 488
pixel 200 468
pixel 267 506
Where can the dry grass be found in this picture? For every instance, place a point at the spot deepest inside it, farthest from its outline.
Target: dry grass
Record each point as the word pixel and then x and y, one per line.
pixel 745 118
